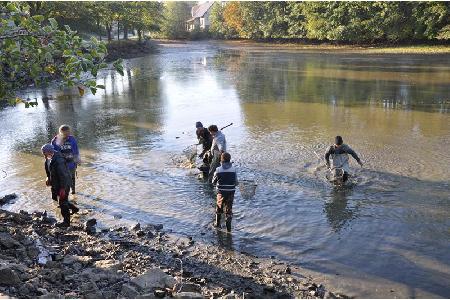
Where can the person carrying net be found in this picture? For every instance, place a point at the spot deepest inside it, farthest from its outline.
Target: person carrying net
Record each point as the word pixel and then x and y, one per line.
pixel 339 155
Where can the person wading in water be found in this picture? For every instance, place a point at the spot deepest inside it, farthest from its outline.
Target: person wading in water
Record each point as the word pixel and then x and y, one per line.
pixel 225 179
pixel 205 139
pixel 58 177
pixel 219 146
pixel 66 144
pixel 339 154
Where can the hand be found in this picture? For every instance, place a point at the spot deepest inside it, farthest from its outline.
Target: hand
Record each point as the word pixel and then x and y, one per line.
pixel 360 163
pixel 47 182
pixel 62 193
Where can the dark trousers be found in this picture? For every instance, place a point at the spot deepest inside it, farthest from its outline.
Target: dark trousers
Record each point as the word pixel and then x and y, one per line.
pixel 224 203
pixel 64 204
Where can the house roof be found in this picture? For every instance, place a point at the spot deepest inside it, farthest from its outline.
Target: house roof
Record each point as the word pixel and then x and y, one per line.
pixel 200 10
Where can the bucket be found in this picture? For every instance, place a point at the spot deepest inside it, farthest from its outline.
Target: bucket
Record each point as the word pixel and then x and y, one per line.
pixel 247 188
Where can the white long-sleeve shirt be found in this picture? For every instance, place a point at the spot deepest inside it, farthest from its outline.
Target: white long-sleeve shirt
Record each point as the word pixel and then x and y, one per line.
pixel 219 142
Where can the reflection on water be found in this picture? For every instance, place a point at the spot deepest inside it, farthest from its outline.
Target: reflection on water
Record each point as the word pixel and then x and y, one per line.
pixel 338 212
pixel 389 231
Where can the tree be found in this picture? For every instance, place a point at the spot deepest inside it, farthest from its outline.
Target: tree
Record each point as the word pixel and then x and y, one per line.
pixel 143 15
pixel 232 16
pixel 35 51
pixel 176 14
pixel 219 28
pixel 296 20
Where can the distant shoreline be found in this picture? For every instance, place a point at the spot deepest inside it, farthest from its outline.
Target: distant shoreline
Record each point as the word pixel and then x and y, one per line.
pixel 127 49
pixel 324 47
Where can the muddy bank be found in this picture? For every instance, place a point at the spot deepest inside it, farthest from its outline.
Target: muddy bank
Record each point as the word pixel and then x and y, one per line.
pixel 129 49
pixel 39 260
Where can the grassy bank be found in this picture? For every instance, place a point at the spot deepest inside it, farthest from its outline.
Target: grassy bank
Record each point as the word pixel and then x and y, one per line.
pixel 326 47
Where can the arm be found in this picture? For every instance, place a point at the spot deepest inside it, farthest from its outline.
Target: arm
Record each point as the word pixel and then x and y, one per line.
pixel 215 178
pixel 47 171
pixel 327 156
pixel 55 144
pixel 75 151
pixel 354 155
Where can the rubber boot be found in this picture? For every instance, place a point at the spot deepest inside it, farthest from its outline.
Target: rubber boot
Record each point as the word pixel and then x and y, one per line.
pixel 228 222
pixel 217 223
pixel 65 212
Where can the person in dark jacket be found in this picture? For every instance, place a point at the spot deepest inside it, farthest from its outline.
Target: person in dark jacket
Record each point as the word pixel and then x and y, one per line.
pixel 204 138
pixel 339 154
pixel 58 177
pixel 225 179
pixel 67 145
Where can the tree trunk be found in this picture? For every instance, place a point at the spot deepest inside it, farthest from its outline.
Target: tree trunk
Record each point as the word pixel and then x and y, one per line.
pixel 118 31
pixel 99 29
pixel 109 30
pixel 139 35
pixel 125 31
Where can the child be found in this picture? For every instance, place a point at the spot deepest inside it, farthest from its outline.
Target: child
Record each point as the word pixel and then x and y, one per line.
pixel 66 144
pixel 58 178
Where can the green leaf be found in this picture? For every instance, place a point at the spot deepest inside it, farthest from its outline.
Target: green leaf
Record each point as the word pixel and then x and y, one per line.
pixel 11 7
pixel 38 18
pixel 53 23
pixel 93 90
pixel 94 72
pixel 120 70
pixel 101 86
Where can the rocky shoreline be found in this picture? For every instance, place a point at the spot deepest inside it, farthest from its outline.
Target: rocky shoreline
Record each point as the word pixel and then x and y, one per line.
pixel 39 260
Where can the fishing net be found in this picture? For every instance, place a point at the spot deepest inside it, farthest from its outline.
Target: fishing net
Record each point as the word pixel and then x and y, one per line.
pixel 191 152
pixel 335 175
pixel 187 158
pixel 247 188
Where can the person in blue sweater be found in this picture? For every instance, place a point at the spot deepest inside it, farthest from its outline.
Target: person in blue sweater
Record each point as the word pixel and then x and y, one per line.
pixel 67 145
pixel 225 179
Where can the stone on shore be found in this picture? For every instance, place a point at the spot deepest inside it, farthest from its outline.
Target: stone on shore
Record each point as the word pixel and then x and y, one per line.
pixel 128 291
pixel 154 278
pixel 8 276
pixel 188 295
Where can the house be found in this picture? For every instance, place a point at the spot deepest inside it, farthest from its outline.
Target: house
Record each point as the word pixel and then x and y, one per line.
pixel 200 17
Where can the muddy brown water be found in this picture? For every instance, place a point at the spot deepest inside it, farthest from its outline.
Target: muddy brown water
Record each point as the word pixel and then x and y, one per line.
pixel 387 235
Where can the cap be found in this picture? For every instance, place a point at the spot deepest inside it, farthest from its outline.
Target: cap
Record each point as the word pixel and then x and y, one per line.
pixel 47 148
pixel 198 125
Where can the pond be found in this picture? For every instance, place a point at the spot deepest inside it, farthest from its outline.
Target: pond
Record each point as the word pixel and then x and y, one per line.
pixel 388 235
